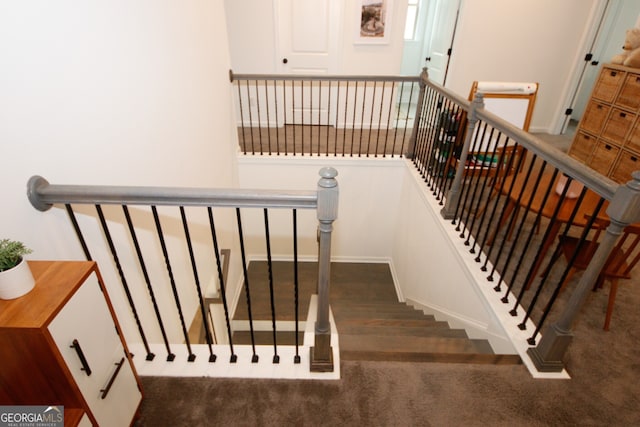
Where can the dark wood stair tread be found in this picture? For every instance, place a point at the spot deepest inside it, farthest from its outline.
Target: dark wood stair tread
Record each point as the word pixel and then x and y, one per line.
pixel 372 324
pixel 440 330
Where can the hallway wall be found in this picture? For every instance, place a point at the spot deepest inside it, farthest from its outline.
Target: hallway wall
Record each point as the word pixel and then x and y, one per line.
pixel 114 93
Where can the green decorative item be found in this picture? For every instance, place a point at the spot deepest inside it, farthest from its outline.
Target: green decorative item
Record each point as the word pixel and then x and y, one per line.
pixel 11 252
pixel 15 276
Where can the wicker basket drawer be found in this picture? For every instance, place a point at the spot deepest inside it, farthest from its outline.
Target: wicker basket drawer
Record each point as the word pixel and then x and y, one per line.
pixel 604 156
pixel 582 147
pixel 608 84
pixel 627 163
pixel 634 137
pixel 594 117
pixel 629 96
pixel 617 125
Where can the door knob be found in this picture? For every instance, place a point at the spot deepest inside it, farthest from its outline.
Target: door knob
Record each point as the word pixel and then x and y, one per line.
pixel 428 58
pixel 285 60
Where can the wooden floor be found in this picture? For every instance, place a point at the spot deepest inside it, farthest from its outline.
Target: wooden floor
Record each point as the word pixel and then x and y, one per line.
pixel 371 323
pixel 324 140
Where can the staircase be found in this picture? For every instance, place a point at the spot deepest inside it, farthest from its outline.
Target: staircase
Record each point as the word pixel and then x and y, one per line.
pixel 371 323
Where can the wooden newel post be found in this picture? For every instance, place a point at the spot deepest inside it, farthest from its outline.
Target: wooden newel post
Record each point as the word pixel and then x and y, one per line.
pixel 623 210
pixel 321 354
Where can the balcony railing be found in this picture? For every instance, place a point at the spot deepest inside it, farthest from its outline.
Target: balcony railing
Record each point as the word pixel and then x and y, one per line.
pixel 166 246
pixel 340 116
pixel 512 198
pixel 509 195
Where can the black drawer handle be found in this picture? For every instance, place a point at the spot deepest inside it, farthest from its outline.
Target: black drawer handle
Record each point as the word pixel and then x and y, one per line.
pixel 607 147
pixel 634 158
pixel 623 115
pixel 83 360
pixel 614 73
pixel 105 391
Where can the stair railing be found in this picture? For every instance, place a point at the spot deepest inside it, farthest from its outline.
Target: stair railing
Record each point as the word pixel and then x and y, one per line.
pixel 324 200
pixel 465 155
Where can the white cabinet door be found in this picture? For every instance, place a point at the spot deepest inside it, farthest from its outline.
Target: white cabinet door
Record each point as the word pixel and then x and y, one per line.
pixel 85 334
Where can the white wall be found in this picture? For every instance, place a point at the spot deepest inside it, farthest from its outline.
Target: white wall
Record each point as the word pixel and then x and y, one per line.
pixel 109 92
pixel 253 38
pixel 526 40
pixel 367 210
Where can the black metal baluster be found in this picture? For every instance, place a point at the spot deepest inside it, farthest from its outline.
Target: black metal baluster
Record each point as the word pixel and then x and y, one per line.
pixel 505 298
pixel 373 100
pixel 512 218
pixel 310 117
pixel 302 116
pixel 540 253
pixel 260 140
pixel 353 122
pixel 319 112
pixel 328 126
pixel 76 227
pixel 397 120
pixel 386 135
pixel 471 175
pixel 583 237
pixel 253 148
pixel 481 184
pixel 504 214
pixel 293 113
pixel 296 358
pixel 123 280
pixel 221 278
pixel 254 358
pixel 266 102
pixel 427 135
pixel 379 129
pixel 344 125
pixel 276 358
pixel 275 104
pixel 362 109
pixel 176 297
pixel 244 138
pixel 145 273
pixel 510 226
pixel 335 125
pixel 284 125
pixel 196 279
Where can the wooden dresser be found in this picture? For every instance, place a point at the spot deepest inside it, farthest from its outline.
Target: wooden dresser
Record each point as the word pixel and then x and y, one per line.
pixel 60 345
pixel 608 136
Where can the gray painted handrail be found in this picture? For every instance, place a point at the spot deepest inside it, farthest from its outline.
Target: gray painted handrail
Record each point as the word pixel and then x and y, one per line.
pixel 602 185
pixel 43 195
pixel 290 77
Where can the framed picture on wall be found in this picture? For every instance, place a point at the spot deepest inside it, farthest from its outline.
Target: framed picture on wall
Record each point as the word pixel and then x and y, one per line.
pixel 374 19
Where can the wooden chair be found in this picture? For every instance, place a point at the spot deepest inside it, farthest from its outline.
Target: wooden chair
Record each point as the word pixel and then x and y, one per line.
pixel 623 258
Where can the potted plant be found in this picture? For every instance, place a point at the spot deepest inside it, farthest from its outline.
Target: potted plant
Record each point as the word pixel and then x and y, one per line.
pixel 15 276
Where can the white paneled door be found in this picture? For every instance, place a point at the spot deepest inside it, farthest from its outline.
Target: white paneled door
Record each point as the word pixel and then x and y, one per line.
pixel 443 24
pixel 307 35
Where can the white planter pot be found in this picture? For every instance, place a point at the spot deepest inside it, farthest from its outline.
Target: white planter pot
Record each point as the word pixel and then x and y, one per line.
pixel 17 281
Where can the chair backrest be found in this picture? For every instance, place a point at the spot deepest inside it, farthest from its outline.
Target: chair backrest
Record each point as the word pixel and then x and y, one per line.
pixel 625 254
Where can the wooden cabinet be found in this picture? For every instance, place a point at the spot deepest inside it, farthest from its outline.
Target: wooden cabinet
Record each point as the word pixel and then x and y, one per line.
pixel 608 136
pixel 60 345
